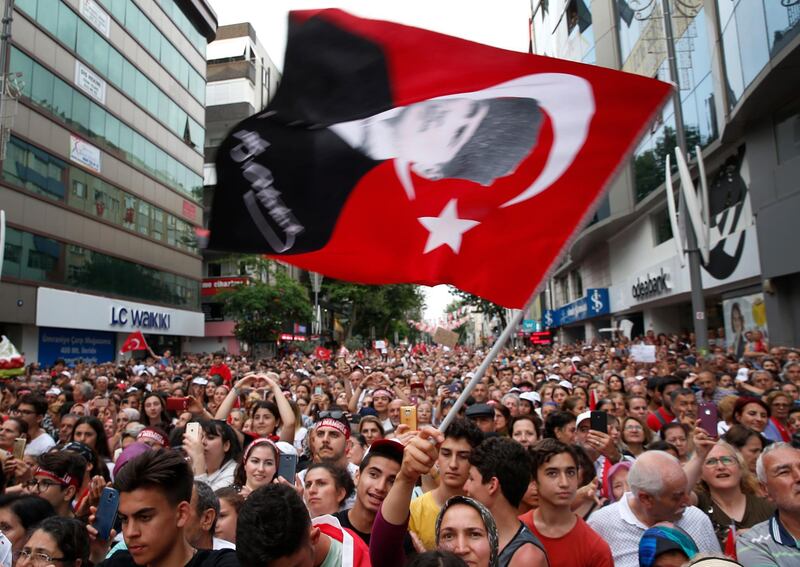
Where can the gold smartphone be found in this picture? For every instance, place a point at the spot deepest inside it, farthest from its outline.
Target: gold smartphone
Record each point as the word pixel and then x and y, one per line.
pixel 19 447
pixel 408 416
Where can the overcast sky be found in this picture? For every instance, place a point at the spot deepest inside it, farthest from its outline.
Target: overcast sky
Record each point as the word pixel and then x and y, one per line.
pixel 501 23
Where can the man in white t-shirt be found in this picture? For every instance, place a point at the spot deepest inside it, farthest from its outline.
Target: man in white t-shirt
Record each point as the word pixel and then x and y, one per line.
pixel 32 409
pixel 659 493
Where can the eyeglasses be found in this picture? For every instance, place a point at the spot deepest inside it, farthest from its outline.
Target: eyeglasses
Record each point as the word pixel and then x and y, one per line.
pixel 39 485
pixel 336 414
pixel 714 461
pixel 36 557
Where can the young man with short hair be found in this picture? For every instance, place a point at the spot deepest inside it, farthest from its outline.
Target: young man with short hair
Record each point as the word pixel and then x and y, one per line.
pixel 568 540
pixel 375 477
pixel 499 475
pixel 154 508
pixel 274 529
pixel 32 409
pixel 459 440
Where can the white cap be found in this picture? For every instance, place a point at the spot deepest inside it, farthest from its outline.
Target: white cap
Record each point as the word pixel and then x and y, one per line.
pixel 583 417
pixel 555 377
pixel 200 381
pixel 566 384
pixel 532 397
pixel 742 375
pixel 576 359
pixel 53 392
pixel 65 373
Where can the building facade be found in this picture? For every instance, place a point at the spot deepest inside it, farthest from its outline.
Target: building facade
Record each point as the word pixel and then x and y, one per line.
pixel 740 108
pixel 102 175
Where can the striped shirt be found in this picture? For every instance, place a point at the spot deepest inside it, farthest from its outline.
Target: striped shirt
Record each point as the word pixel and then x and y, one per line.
pixel 768 543
pixel 622 530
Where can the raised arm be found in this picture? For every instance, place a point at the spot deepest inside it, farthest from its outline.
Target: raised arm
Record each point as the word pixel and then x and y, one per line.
pixel 227 404
pixel 288 421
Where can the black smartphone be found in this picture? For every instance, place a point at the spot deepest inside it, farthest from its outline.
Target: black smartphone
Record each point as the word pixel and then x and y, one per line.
pixel 106 514
pixel 287 467
pixel 599 421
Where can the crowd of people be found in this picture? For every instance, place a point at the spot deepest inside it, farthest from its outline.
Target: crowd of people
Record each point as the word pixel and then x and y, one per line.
pixel 570 455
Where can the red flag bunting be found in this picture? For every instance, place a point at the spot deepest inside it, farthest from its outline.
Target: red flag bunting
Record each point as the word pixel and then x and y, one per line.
pixel 426 154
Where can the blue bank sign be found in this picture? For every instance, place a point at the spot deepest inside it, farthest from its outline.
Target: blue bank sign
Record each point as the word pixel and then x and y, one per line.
pixel 593 304
pixel 74 345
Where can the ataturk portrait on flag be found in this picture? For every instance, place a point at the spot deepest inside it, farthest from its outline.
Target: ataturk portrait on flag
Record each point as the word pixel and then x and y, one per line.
pixel 394 154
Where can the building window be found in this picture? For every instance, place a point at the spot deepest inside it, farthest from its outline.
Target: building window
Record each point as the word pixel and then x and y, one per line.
pixel 662 228
pixel 787 133
pixel 577 284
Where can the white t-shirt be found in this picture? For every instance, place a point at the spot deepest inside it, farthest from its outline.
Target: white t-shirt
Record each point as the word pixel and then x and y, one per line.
pixel 41 444
pixel 622 530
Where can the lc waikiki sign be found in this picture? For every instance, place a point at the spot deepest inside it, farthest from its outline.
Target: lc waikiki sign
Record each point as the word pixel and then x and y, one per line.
pixel 139 318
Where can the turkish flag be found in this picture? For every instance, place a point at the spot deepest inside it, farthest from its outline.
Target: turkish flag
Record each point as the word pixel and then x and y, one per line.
pixel 393 154
pixel 322 353
pixel 135 341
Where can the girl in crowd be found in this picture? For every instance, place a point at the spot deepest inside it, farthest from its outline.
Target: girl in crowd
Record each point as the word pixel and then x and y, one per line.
pixel 635 435
pixel 215 455
pixel 560 425
pixel 748 442
pixel 230 503
pixel 371 428
pixel 524 430
pixel 752 413
pixel 616 384
pixel 258 467
pixel 618 399
pixel 675 434
pixel 300 431
pixel 154 412
pixel 326 487
pixel 19 513
pixel 267 418
pixel 89 431
pixel 727 492
pixel 55 540
pixel 560 394
pixel 502 417
pixel 574 405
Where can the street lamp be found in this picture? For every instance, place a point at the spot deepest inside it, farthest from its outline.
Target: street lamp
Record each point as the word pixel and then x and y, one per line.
pixel 316 286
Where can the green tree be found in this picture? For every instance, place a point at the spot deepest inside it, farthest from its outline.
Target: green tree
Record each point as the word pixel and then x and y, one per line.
pixel 384 309
pixel 261 310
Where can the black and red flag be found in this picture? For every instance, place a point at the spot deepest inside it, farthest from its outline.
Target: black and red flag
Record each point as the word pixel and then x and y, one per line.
pixel 393 154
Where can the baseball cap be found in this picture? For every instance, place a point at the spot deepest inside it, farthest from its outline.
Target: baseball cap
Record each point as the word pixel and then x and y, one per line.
pixel 200 381
pixel 532 397
pixel 53 392
pixel 390 447
pixel 582 417
pixel 566 384
pixel 661 539
pixel 555 377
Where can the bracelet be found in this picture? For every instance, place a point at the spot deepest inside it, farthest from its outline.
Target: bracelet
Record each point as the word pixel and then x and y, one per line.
pixel 236 390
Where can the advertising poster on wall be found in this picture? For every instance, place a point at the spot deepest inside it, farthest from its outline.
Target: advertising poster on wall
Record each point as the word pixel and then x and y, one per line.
pixel 743 315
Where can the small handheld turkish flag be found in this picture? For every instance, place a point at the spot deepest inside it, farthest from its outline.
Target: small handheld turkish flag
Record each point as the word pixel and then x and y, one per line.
pixel 393 154
pixel 135 341
pixel 322 353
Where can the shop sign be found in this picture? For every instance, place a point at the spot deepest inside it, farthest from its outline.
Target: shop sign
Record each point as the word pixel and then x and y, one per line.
pixel 84 153
pixel 74 345
pixel 213 286
pixel 90 83
pixel 651 285
pixel 594 303
pixel 70 310
pixel 96 16
pixel 542 338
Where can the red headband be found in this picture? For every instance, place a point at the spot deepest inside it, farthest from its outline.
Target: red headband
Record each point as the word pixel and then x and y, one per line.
pixel 153 435
pixel 66 480
pixel 334 424
pixel 257 443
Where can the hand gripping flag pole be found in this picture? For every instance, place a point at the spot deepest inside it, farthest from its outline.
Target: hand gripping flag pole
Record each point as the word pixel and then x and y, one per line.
pixel 498 346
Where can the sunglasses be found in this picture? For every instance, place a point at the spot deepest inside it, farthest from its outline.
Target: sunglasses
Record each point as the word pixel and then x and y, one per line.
pixel 336 414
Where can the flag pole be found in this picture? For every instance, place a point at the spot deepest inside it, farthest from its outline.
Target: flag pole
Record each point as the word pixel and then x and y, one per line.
pixel 496 348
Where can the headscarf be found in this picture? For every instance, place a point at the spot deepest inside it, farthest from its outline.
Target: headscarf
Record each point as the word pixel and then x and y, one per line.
pixel 626 465
pixel 662 538
pixel 486 518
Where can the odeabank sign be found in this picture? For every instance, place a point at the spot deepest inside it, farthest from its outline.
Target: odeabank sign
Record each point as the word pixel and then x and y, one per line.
pixel 649 286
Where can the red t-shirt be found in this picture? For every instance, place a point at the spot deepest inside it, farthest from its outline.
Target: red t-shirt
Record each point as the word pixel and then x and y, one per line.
pixel 656 420
pixel 221 370
pixel 581 547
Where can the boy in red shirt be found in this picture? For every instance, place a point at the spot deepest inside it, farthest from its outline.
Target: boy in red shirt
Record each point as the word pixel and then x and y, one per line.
pixel 568 540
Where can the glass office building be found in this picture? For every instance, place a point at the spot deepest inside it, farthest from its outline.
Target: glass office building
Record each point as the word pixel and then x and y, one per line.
pixel 736 67
pixel 101 179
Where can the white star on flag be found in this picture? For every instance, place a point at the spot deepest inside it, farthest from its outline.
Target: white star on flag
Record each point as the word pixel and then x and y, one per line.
pixel 447 228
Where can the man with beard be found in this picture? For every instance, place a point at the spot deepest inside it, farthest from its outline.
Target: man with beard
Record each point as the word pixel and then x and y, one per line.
pixel 330 443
